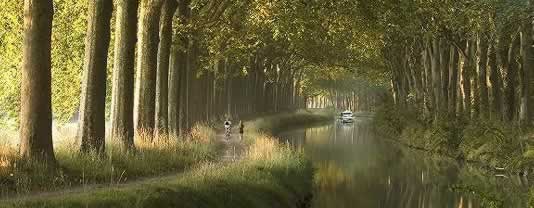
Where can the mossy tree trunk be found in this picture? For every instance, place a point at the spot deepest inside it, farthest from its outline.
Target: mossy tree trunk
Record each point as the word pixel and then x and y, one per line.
pixel 164 49
pixel 36 109
pixel 453 82
pixel 436 77
pixel 122 121
pixel 528 72
pixel 92 124
pixel 482 48
pixel 496 84
pixel 147 54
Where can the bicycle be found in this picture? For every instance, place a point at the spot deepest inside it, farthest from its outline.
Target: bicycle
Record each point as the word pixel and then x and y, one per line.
pixel 227 131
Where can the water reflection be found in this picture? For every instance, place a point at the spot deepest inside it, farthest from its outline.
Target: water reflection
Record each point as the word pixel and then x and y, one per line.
pixel 355 169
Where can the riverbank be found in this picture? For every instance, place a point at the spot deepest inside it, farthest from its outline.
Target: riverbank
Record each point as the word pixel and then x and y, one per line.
pixel 269 174
pixel 495 148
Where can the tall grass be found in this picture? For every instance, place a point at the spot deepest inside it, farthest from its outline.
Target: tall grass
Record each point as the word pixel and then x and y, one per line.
pixel 153 157
pixel 274 178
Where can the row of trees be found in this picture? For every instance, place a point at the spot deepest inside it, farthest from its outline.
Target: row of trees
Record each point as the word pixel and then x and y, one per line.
pixel 470 58
pixel 344 90
pixel 174 63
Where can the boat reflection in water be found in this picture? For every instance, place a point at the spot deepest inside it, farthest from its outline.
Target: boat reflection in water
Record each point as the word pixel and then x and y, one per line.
pixel 356 169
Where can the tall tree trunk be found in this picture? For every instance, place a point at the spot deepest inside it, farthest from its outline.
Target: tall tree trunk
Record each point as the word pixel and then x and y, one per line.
pixel 162 80
pixel 436 79
pixel 482 77
pixel 512 79
pixel 427 77
pixel 35 104
pixel 453 81
pixel 528 75
pixel 467 70
pixel 475 89
pixel 147 65
pixel 496 84
pixel 445 56
pixel 92 124
pixel 175 90
pixel 122 121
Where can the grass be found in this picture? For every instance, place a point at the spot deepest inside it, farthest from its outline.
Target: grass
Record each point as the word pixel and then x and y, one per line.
pixel 490 142
pixel 150 159
pixel 270 174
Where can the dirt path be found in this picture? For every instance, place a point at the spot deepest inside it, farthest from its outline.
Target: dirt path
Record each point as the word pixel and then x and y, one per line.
pixel 91 187
pixel 233 146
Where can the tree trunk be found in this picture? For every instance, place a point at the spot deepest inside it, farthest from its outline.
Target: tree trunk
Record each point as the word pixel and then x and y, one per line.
pixel 453 81
pixel 147 65
pixel 162 80
pixel 92 124
pixel 496 84
pixel 436 79
pixel 445 56
pixel 482 77
pixel 175 90
pixel 528 75
pixel 467 70
pixel 122 121
pixel 509 64
pixel 35 104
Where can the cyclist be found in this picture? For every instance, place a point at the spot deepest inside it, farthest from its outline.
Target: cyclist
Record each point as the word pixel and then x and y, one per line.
pixel 227 127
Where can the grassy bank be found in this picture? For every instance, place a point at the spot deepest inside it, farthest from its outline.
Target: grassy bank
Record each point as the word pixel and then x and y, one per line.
pixel 269 175
pixel 489 142
pixel 160 157
pixel 273 124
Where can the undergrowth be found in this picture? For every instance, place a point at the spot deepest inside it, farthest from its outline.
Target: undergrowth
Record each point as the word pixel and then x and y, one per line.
pixel 492 142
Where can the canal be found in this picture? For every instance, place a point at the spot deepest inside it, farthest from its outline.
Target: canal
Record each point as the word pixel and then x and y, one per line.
pixel 355 168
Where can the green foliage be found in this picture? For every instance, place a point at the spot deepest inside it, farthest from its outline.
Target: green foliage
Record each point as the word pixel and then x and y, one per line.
pixel 68 35
pixel 10 58
pixel 493 142
pixel 284 33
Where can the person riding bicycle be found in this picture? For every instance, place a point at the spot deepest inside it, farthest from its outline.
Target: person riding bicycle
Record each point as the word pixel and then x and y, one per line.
pixel 227 126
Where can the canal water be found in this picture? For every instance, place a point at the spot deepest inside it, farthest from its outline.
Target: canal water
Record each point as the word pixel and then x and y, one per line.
pixel 355 168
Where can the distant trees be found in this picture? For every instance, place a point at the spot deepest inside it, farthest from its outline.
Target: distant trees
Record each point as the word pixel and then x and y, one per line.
pixel 36 106
pixel 482 59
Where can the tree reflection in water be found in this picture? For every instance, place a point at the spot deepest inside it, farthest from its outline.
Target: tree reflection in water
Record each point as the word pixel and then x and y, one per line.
pixel 356 169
